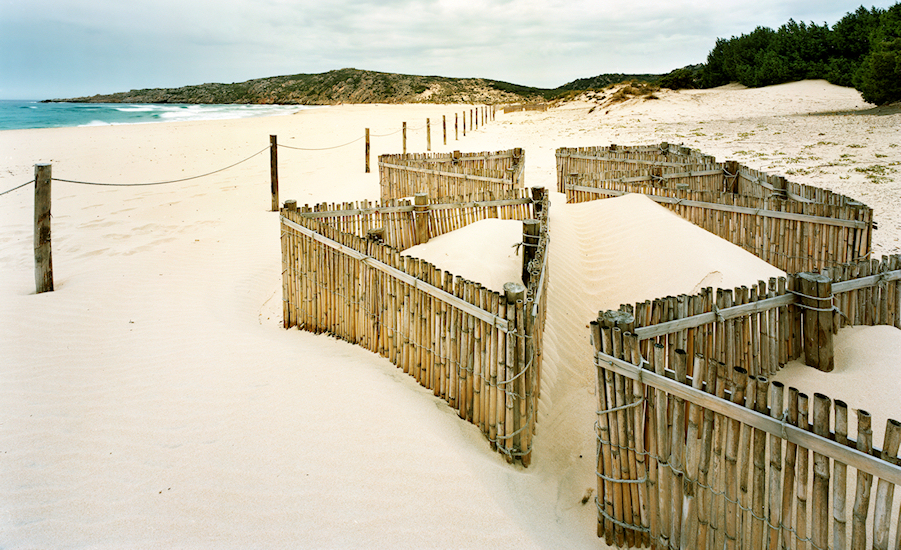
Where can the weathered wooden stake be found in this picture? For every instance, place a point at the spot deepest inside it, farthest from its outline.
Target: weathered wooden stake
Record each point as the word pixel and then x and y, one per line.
pixel 530 237
pixel 421 212
pixel 428 134
pixel 444 127
pixel 273 171
pixel 43 267
pixel 367 150
pixel 405 138
pixel 816 299
pixel 456 126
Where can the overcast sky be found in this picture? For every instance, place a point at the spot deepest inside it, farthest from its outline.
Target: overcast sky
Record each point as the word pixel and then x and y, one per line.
pixel 67 48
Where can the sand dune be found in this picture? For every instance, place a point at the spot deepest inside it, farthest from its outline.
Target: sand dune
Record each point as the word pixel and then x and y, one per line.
pixel 153 400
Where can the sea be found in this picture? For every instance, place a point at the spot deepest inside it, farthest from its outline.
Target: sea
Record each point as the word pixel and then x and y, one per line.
pixel 25 114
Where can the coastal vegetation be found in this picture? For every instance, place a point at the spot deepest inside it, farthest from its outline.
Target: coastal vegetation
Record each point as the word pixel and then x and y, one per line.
pixel 862 50
pixel 355 86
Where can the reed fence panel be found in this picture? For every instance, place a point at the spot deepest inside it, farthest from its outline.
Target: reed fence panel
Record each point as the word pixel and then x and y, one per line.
pixel 450 174
pixel 478 349
pixel 707 453
pixel 524 107
pixel 794 227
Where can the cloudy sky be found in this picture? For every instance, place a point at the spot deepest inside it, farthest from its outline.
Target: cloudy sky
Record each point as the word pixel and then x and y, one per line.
pixel 67 48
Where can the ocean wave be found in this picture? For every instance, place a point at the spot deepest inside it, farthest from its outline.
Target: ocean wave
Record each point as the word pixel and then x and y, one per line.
pixel 97 123
pixel 136 109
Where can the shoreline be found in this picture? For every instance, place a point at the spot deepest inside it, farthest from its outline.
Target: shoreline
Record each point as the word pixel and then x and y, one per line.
pixel 52 115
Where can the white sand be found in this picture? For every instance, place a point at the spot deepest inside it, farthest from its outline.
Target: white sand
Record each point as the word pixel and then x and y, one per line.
pixel 153 400
pixel 484 251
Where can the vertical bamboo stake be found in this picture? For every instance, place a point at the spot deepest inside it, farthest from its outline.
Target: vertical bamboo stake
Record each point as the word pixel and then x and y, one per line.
pixel 885 491
pixel 801 515
pixel 739 382
pixel 43 266
pixel 653 484
pixel 692 461
pixel 745 465
pixel 627 439
pixel 864 484
pixel 456 126
pixel 758 484
pixel 638 395
pixel 513 292
pixel 428 134
pixel 819 526
pixel 839 480
pixel 774 518
pixel 273 171
pixel 677 448
pixel 604 464
pixel 788 481
pixel 664 479
pixel 617 442
pixel 521 413
pixel 404 130
pixel 444 127
pixel 464 123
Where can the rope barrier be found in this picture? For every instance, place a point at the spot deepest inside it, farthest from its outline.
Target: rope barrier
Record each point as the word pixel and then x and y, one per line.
pixel 17 187
pixel 281 146
pixel 163 182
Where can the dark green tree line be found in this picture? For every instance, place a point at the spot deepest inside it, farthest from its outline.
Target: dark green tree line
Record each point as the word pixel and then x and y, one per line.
pixel 862 50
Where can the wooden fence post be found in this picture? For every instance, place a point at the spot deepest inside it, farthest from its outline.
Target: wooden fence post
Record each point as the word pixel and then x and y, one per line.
pixel 405 138
pixel 516 173
pixel 421 213
pixel 273 171
pixel 530 236
pixel 367 150
pixel 428 134
pixel 43 267
pixel 816 302
pixel 444 127
pixel 464 123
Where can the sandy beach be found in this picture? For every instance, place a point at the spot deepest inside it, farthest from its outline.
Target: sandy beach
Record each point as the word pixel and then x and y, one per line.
pixel 153 399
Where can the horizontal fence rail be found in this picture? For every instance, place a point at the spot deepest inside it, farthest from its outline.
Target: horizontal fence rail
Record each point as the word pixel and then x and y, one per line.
pixel 478 349
pixel 449 174
pixel 794 227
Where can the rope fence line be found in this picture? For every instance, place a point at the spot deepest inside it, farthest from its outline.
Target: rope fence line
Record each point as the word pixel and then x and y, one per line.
pixel 145 184
pixel 43 179
pixel 164 182
pixel 17 187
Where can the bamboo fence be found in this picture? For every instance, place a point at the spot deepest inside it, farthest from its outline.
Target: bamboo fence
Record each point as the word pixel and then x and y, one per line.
pixel 478 349
pixel 792 226
pixel 518 107
pixel 697 449
pixel 449 174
